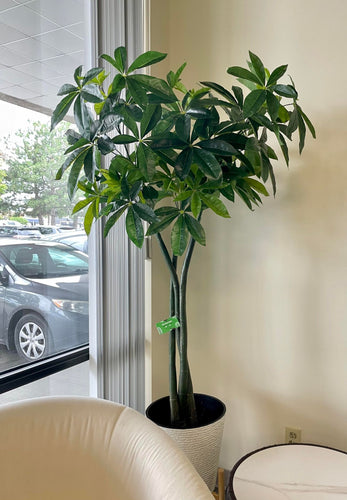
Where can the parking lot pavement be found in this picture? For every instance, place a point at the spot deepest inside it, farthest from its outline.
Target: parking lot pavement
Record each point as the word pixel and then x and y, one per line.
pixel 8 359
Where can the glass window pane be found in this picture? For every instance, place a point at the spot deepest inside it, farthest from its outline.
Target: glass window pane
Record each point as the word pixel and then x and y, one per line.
pixel 43 282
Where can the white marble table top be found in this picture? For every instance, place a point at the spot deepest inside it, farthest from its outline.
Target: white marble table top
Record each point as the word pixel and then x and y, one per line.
pixel 291 472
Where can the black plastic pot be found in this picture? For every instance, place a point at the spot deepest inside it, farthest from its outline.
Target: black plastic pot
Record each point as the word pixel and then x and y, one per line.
pixel 209 409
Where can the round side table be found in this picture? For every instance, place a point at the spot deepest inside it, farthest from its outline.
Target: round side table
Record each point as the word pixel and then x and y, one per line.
pixel 290 472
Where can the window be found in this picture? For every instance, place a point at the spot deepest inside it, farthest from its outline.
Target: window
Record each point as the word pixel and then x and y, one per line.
pixel 43 283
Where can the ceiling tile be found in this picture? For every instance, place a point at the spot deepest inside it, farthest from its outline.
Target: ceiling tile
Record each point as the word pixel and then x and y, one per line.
pixel 19 92
pixel 63 12
pixel 66 41
pixel 65 64
pixel 11 59
pixel 7 4
pixel 41 87
pixel 38 70
pixel 33 49
pixel 27 21
pixel 8 34
pixel 11 75
pixel 77 29
pixel 46 101
pixel 3 84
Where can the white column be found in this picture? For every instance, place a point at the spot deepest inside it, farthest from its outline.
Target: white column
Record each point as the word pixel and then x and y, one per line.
pixel 117 324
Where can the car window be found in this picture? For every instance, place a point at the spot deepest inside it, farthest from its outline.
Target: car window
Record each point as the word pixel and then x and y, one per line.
pixel 68 261
pixel 40 261
pixel 75 241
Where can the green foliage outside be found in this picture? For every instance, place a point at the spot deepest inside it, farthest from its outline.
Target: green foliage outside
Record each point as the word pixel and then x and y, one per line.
pixel 32 157
pixel 175 154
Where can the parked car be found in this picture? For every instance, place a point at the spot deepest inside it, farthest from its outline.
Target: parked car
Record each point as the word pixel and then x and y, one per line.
pixel 76 239
pixel 43 297
pixel 45 230
pixel 20 232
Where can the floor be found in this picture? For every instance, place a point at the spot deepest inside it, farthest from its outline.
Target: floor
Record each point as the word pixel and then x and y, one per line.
pixel 71 382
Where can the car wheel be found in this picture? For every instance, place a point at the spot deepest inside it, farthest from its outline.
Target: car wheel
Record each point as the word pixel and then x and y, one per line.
pixel 31 337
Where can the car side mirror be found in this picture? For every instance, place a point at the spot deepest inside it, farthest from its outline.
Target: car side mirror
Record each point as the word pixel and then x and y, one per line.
pixel 4 276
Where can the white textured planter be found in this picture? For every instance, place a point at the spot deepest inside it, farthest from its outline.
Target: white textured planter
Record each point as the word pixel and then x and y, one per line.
pixel 200 444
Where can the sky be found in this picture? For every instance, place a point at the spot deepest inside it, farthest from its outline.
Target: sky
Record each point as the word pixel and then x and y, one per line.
pixel 14 117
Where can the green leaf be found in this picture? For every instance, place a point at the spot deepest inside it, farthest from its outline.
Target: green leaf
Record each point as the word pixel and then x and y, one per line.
pixel 82 204
pixel 221 90
pixel 150 118
pixel 157 227
pixel 266 170
pixel 130 122
pixel 146 59
pixel 157 86
pixel 218 147
pixel 67 88
pixel 258 66
pixel 258 186
pixel 182 127
pixel 62 109
pixel 308 123
pixel 238 94
pixel 75 172
pixel 134 227
pixel 91 93
pixel 77 75
pixel 195 204
pixel 170 141
pixel 164 211
pixel 88 218
pixel 105 145
pixel 118 83
pixel 120 58
pixel 137 92
pixel 183 196
pixel 195 229
pixel 283 114
pixel 179 236
pixel 69 160
pixel 72 136
pixel 276 74
pixel 121 165
pixel 293 121
pixel 81 142
pixel 89 165
pixel 124 139
pixel 183 163
pixel 82 116
pixel 273 105
pixel 285 91
pixel 302 132
pixel 146 161
pixel 91 74
pixel 253 102
pixel 245 74
pixel 145 212
pixel 228 192
pixel 215 204
pixel 113 219
pixel 207 163
pixel 110 60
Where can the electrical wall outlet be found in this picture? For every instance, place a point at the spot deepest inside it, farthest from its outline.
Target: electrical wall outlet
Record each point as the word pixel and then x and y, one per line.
pixel 292 435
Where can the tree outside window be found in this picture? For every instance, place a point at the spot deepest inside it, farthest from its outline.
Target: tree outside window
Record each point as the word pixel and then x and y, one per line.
pixel 31 158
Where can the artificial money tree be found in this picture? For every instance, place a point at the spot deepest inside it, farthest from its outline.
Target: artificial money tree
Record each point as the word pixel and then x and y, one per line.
pixel 174 154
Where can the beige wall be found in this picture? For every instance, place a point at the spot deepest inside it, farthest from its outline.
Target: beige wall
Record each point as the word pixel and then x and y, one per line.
pixel 268 301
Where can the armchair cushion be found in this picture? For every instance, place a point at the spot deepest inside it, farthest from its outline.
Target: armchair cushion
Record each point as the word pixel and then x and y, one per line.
pixel 78 448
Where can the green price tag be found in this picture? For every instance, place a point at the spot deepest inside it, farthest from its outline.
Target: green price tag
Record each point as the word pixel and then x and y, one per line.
pixel 167 325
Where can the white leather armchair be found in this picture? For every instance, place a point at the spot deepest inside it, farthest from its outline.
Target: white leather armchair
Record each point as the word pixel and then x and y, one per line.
pixel 76 448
